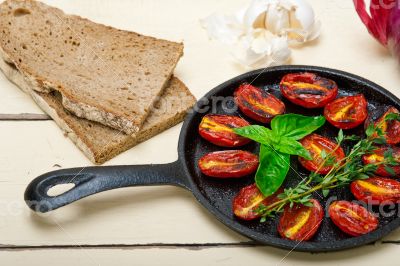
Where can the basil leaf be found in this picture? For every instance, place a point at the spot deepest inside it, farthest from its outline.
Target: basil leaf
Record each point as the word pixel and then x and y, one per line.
pixel 272 170
pixel 292 147
pixel 296 126
pixel 257 133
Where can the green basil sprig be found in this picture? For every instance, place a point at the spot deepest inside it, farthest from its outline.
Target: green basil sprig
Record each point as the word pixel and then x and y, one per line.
pixel 272 170
pixel 277 144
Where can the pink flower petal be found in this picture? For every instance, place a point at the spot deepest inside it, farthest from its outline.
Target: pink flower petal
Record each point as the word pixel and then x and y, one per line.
pixel 377 22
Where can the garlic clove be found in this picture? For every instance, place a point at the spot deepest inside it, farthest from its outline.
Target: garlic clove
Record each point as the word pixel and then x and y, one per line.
pixel 254 13
pixel 261 41
pixel 277 20
pixel 280 51
pixel 304 27
pixel 303 15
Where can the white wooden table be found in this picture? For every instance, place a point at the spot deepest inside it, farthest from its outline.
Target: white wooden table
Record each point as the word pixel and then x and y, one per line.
pixel 161 225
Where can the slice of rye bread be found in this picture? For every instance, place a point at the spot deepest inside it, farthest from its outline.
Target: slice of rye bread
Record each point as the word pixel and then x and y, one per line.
pixel 104 74
pixel 101 143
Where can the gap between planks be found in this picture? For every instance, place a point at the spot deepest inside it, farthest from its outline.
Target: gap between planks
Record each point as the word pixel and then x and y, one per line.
pixel 133 246
pixel 249 244
pixel 24 117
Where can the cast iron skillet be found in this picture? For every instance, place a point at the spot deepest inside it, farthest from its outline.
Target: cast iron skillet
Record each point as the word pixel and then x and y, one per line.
pixel 216 195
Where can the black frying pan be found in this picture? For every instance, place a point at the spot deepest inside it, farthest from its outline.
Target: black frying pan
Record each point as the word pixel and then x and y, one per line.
pixel 217 195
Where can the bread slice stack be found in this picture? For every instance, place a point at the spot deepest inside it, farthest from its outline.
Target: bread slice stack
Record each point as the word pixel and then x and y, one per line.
pixel 108 89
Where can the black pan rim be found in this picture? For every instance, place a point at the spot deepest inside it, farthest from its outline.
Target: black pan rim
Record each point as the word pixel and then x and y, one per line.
pixel 275 241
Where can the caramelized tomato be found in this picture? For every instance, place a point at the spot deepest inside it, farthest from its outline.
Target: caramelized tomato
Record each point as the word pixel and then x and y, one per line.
pixel 390 129
pixel 258 104
pixel 308 89
pixel 228 164
pixel 347 112
pixel 315 144
pixel 379 155
pixel 376 190
pixel 218 129
pixel 300 222
pixel 352 218
pixel 249 199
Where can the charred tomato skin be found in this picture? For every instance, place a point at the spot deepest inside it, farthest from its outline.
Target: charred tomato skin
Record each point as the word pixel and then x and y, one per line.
pixel 376 190
pixel 218 129
pixel 315 143
pixel 300 223
pixel 308 89
pixel 352 218
pixel 347 112
pixel 378 156
pixel 257 103
pixel 228 164
pixel 390 129
pixel 249 198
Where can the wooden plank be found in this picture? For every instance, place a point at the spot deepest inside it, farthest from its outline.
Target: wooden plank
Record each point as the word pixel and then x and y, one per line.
pixel 143 215
pixel 145 256
pixel 127 216
pixel 134 15
pixel 159 214
pixel 24 117
pixel 14 101
pixel 208 63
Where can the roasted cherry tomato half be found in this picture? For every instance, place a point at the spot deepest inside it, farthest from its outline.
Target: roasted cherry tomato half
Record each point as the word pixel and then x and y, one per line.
pixel 308 89
pixel 390 129
pixel 257 103
pixel 352 218
pixel 228 164
pixel 249 199
pixel 376 190
pixel 379 155
pixel 347 112
pixel 300 223
pixel 218 129
pixel 315 144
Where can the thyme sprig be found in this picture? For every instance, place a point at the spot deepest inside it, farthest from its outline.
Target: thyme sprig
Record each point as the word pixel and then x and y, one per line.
pixel 342 173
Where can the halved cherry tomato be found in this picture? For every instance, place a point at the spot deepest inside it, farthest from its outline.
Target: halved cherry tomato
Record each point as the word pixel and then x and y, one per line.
pixel 315 144
pixel 249 199
pixel 390 129
pixel 257 103
pixel 352 218
pixel 308 89
pixel 228 164
pixel 218 129
pixel 376 190
pixel 300 222
pixel 378 157
pixel 347 112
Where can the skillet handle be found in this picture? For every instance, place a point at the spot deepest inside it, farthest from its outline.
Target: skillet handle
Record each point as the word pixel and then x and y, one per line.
pixel 92 180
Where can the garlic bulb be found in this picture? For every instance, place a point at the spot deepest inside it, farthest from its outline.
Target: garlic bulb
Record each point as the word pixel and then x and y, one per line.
pixel 261 33
pixel 294 19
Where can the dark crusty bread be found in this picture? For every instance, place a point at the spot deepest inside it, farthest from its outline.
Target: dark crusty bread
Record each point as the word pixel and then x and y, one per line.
pixel 104 74
pixel 101 143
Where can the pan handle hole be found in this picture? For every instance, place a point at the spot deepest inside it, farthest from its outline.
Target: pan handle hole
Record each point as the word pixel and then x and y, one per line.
pixel 60 189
